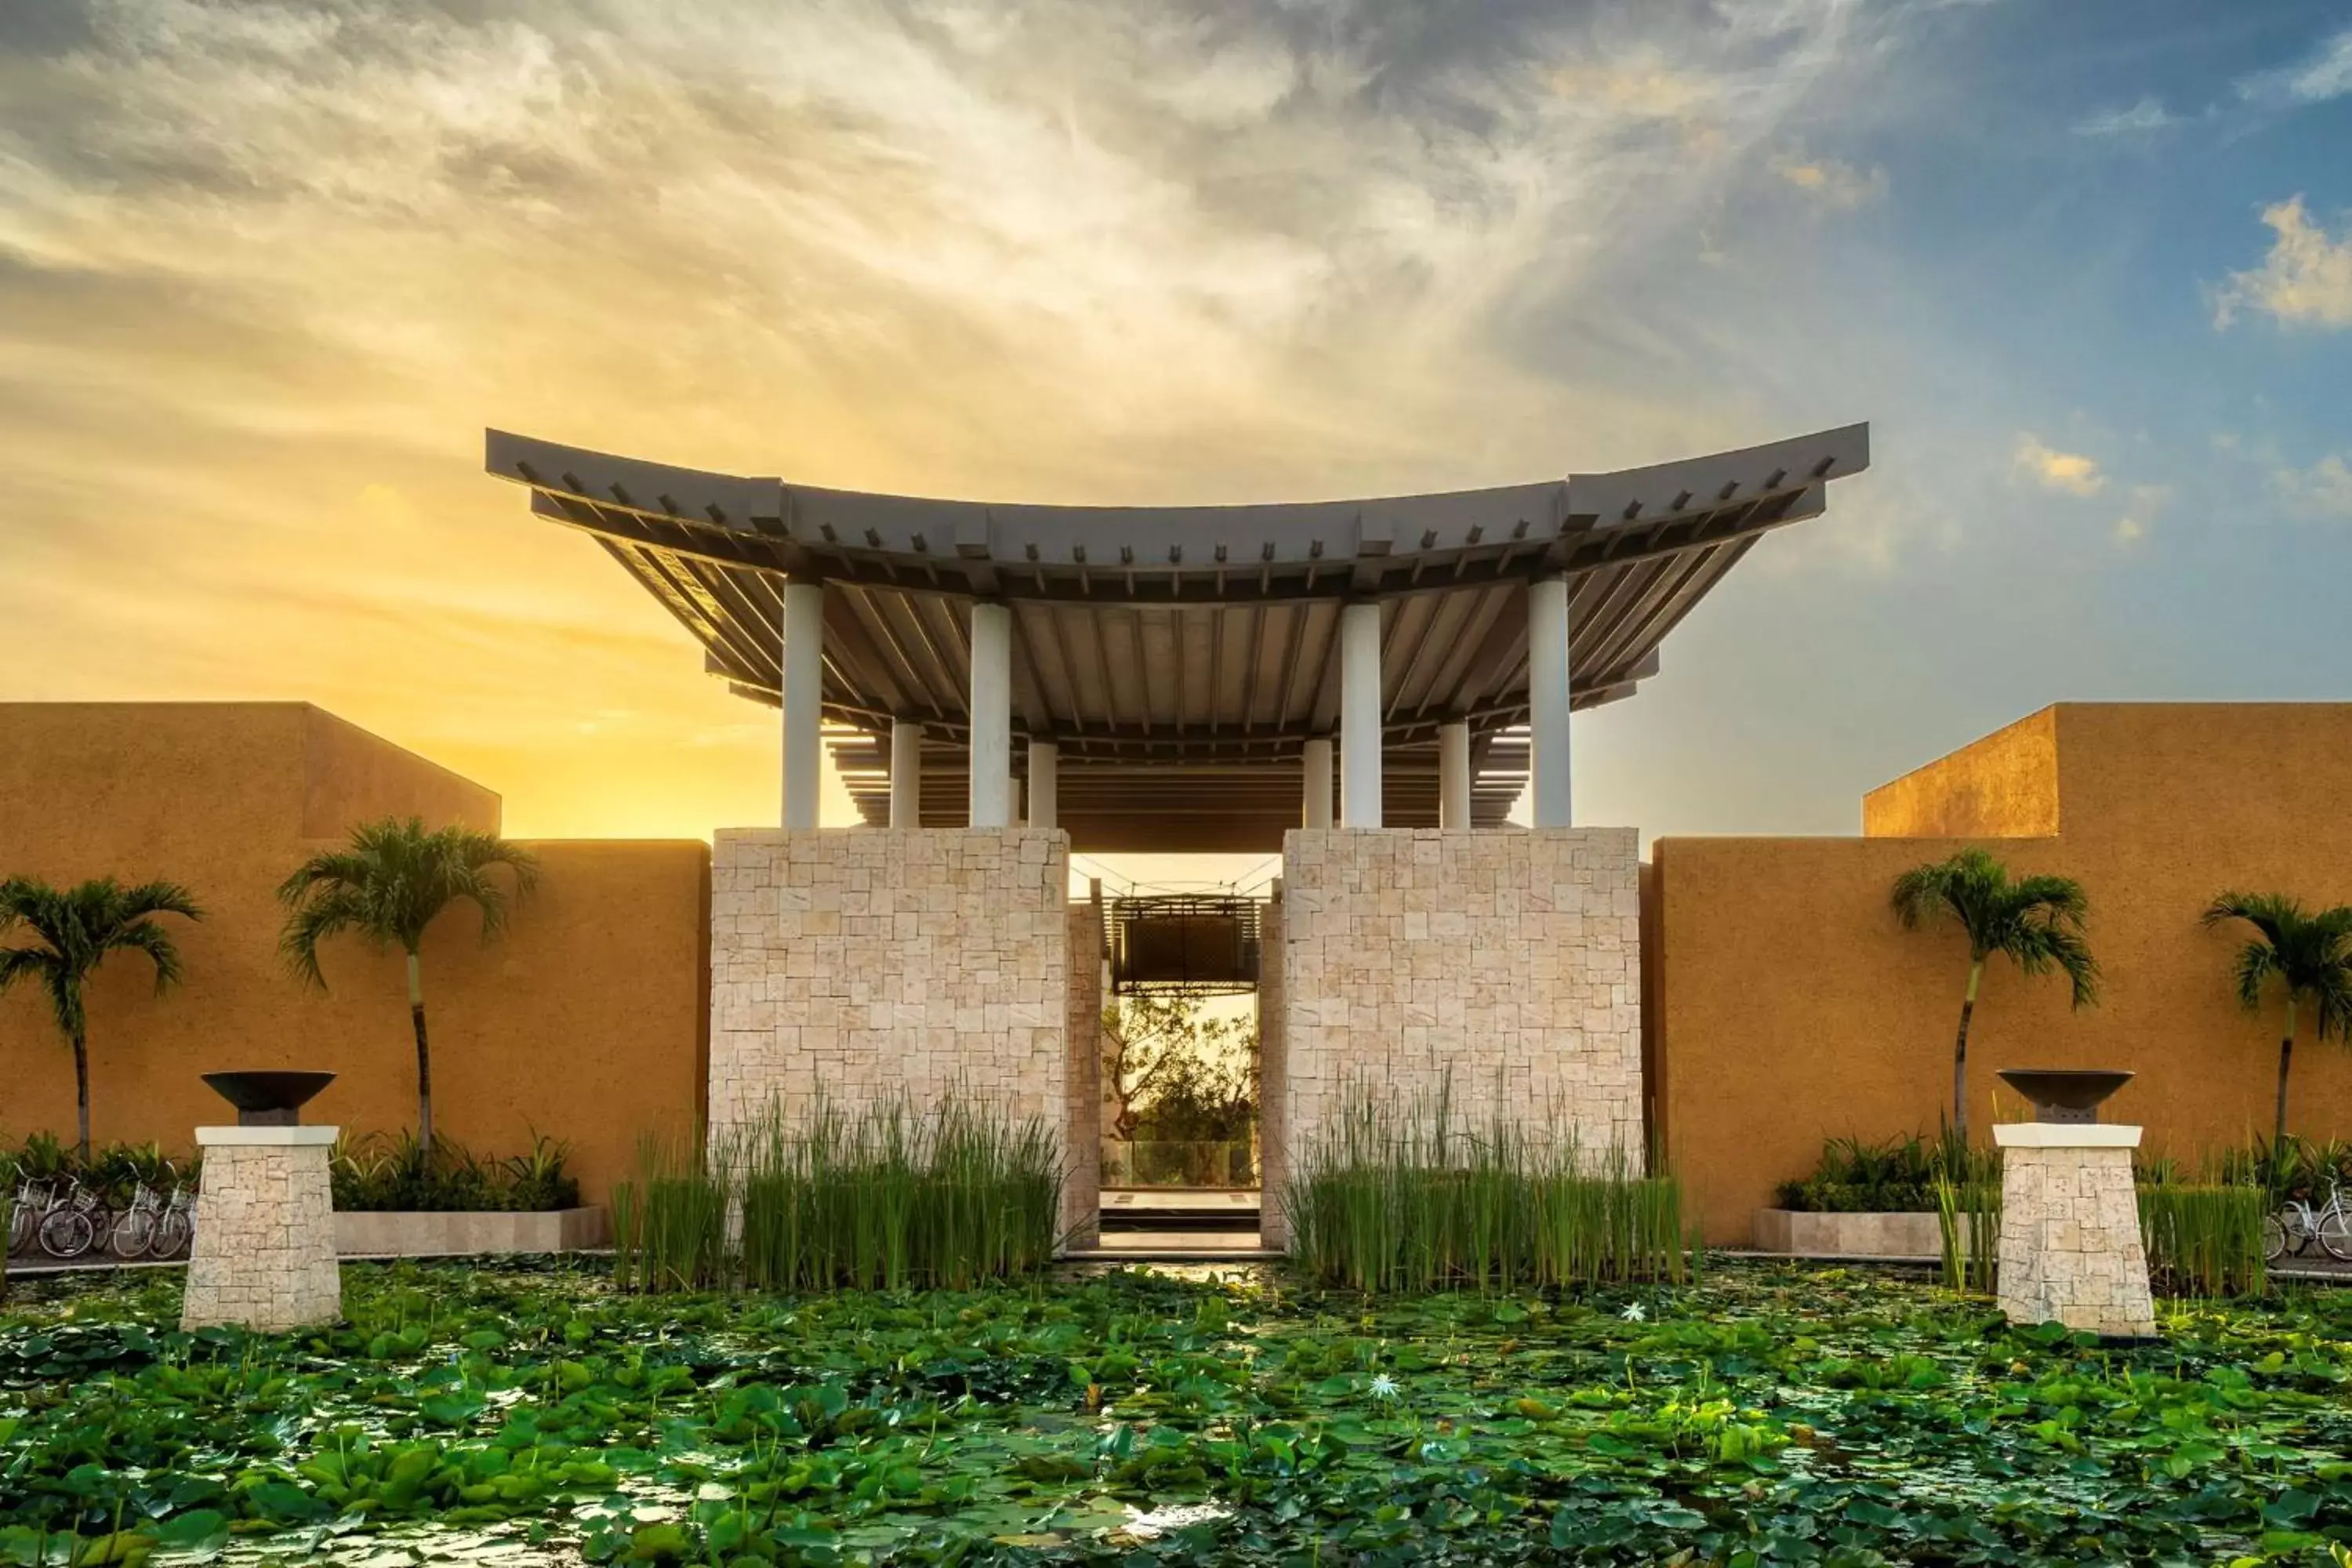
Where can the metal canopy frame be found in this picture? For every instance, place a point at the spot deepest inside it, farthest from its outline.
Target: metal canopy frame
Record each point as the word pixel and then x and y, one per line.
pixel 1193 945
pixel 1148 639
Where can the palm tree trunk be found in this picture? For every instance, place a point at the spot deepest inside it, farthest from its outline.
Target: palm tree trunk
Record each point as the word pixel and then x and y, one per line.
pixel 424 1059
pixel 1960 1053
pixel 81 1093
pixel 2286 1053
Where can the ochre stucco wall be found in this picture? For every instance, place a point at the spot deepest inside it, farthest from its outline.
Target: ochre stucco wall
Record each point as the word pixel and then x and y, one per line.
pixel 2003 786
pixel 1792 1007
pixel 586 1021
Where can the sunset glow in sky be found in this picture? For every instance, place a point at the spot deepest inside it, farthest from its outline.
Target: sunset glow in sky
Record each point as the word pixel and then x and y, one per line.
pixel 267 270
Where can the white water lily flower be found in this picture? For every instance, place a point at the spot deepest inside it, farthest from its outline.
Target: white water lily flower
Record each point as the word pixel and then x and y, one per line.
pixel 1633 1313
pixel 1383 1387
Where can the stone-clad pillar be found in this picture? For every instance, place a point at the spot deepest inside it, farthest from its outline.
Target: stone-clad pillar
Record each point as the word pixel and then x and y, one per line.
pixel 264 1247
pixel 2070 1241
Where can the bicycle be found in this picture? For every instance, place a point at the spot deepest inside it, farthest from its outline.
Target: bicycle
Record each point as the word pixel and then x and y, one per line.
pixel 2296 1221
pixel 135 1227
pixel 33 1199
pixel 71 1227
pixel 175 1231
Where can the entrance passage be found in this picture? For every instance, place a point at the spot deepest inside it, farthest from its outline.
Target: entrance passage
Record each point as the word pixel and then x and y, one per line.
pixel 1181 1083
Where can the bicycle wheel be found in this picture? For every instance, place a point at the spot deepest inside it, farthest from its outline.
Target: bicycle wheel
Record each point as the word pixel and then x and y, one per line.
pixel 170 1236
pixel 67 1233
pixel 22 1220
pixel 133 1234
pixel 2274 1238
pixel 2335 1235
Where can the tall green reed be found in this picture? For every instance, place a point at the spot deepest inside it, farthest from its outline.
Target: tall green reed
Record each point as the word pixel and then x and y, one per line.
pixel 2204 1240
pixel 1967 1220
pixel 887 1198
pixel 1408 1197
pixel 2198 1240
pixel 669 1220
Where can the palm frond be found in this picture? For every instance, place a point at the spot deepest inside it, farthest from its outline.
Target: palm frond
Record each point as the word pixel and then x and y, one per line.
pixel 2257 961
pixel 392 881
pixel 23 964
pixel 2268 914
pixel 152 940
pixel 2310 954
pixel 80 925
pixel 156 898
pixel 338 910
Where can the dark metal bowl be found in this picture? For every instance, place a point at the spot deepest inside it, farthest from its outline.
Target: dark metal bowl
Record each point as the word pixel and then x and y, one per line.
pixel 268 1098
pixel 2065 1094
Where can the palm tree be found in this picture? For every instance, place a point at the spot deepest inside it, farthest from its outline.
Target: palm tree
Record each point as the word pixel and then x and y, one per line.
pixel 2037 921
pixel 2311 955
pixel 77 928
pixel 388 885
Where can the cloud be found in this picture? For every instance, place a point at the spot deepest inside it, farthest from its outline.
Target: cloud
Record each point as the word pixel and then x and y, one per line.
pixel 1830 182
pixel 2326 74
pixel 2321 491
pixel 2069 472
pixel 257 259
pixel 2147 502
pixel 2148 114
pixel 2307 279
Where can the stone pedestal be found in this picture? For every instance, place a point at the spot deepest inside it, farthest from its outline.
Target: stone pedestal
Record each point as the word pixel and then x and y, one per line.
pixel 2070 1242
pixel 265 1248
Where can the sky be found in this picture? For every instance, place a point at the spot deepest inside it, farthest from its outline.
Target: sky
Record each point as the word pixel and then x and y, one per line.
pixel 267 271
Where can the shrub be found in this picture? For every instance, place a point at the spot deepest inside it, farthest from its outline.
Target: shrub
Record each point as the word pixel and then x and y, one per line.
pixel 1894 1175
pixel 1393 1198
pixel 2289 1167
pixel 391 1173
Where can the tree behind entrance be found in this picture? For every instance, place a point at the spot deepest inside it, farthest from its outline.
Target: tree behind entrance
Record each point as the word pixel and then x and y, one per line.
pixel 1177 1074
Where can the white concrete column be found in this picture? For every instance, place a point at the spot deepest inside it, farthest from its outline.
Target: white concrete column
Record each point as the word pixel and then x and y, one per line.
pixel 992 716
pixel 1359 716
pixel 1316 806
pixel 1045 791
pixel 1453 775
pixel 1548 701
pixel 803 694
pixel 906 775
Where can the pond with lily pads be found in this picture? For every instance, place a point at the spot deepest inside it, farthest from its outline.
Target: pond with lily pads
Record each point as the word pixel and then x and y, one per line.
pixel 1761 1415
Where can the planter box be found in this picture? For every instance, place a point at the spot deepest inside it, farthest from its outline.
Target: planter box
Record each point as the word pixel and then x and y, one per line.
pixel 1849 1235
pixel 411 1235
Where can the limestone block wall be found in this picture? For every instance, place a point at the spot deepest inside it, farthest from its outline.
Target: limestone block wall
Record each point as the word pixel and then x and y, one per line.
pixel 860 964
pixel 264 1247
pixel 1508 961
pixel 1082 1120
pixel 2070 1250
pixel 1273 1083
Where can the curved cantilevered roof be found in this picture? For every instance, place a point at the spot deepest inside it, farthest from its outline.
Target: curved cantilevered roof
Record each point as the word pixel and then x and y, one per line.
pixel 1180 655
